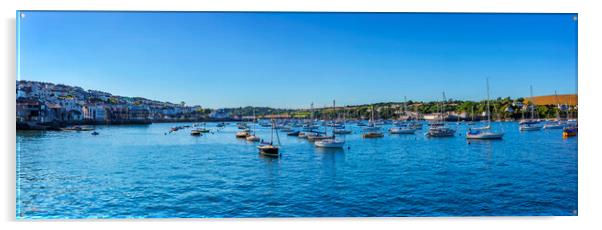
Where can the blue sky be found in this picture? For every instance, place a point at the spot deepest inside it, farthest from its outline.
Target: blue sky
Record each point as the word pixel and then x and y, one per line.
pixel 288 60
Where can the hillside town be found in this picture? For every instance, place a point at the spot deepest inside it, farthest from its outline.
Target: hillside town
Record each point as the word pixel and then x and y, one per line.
pixel 48 106
pixel 42 105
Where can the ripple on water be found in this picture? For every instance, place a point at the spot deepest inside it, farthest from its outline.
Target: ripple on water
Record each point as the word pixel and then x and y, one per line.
pixel 137 171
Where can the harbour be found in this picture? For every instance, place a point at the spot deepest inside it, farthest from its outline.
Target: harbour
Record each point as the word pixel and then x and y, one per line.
pixel 132 171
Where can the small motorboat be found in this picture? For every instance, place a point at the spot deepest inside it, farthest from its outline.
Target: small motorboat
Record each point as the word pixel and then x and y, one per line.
pixel 195 132
pixel 94 133
pixel 373 135
pixel 440 131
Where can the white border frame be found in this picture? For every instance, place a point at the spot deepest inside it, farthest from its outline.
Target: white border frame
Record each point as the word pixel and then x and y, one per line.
pixel 589 83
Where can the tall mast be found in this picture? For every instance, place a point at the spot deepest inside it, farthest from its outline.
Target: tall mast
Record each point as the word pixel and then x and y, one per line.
pixel 277 137
pixel 272 134
pixel 443 108
pixel 488 112
pixel 403 109
pixel 311 113
pixel 532 102
pixel 472 113
pixel 372 114
pixel 334 115
pixel 557 106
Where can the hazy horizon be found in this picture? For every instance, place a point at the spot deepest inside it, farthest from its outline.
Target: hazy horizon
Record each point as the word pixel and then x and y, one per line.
pixel 288 60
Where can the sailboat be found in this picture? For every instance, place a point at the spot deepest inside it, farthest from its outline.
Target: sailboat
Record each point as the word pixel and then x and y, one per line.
pixel 471 122
pixel 252 137
pixel 268 148
pixel 331 142
pixel 531 124
pixel 403 127
pixel 570 130
pixel 341 128
pixel 556 124
pixel 372 131
pixel 484 132
pixel 438 128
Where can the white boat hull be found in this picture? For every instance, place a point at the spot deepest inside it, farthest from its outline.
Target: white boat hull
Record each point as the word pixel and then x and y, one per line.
pixel 529 128
pixel 401 131
pixel 329 143
pixel 488 135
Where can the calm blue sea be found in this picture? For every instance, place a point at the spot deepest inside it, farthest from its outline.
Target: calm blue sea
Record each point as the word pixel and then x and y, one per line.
pixel 136 171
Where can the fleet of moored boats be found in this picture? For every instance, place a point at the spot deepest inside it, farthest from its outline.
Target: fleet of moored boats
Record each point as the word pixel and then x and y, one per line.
pixel 331 133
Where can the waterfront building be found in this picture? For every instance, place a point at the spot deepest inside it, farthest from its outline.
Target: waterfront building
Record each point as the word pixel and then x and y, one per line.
pixel 95 112
pixel 29 110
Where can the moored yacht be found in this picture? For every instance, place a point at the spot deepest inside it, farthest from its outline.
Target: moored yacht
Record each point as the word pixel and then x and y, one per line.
pixel 484 132
pixel 269 148
pixel 438 128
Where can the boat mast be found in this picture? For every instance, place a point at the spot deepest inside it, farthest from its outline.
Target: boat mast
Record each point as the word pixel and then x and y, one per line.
pixel 557 106
pixel 311 109
pixel 488 112
pixel 443 109
pixel 372 114
pixel 334 115
pixel 403 108
pixel 472 113
pixel 277 137
pixel 532 102
pixel 272 134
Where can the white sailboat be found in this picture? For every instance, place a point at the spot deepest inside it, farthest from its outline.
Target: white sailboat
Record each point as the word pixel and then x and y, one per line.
pixel 403 127
pixel 438 128
pixel 252 136
pixel 484 132
pixel 372 131
pixel 341 129
pixel 556 124
pixel 331 142
pixel 531 124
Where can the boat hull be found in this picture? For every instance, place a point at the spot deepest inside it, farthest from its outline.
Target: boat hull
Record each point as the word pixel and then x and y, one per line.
pixel 329 144
pixel 372 135
pixel 242 134
pixel 529 128
pixel 440 132
pixel 195 133
pixel 253 138
pixel 268 150
pixel 485 136
pixel 402 131
pixel 553 126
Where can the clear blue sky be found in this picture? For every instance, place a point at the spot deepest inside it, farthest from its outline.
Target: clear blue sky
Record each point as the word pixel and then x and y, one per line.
pixel 288 60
